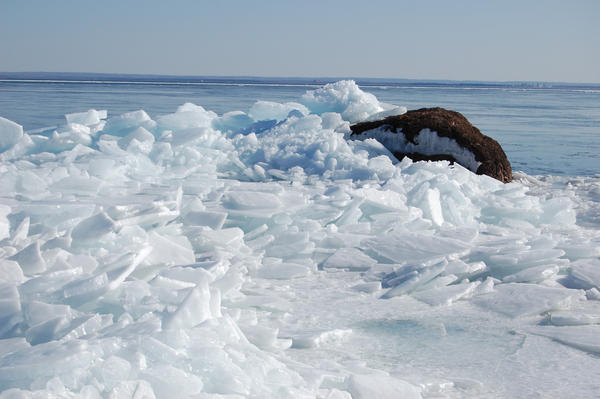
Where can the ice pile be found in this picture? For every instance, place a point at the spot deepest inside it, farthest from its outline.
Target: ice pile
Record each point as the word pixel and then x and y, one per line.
pixel 207 256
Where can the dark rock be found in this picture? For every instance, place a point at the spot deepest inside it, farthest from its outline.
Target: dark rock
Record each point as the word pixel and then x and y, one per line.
pixel 489 158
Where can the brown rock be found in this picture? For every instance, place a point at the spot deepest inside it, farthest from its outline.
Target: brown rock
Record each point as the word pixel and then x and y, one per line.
pixel 487 152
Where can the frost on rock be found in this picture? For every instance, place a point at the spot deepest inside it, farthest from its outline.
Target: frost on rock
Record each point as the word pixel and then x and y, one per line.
pixel 198 255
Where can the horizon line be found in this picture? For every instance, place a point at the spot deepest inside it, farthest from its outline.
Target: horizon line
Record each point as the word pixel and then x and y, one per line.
pixel 308 79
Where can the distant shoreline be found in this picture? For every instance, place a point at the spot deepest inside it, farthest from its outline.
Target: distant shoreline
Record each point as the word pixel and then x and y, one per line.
pixel 109 78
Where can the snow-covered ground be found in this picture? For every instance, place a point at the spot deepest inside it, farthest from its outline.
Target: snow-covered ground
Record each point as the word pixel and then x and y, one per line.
pixel 264 255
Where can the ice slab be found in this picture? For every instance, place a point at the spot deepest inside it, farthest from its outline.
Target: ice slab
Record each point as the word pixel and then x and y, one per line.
pixel 90 117
pixel 92 228
pixel 368 288
pixel 317 338
pixel 413 247
pixel 408 279
pixel 193 310
pixel 268 110
pixel 130 389
pixel 585 338
pixel 283 271
pixel 533 275
pixel 266 338
pixel 446 295
pixel 30 259
pixel 166 379
pixel 187 116
pixel 10 134
pixel 4 223
pixel 252 200
pixel 586 273
pixel 140 134
pixel 573 318
pixel 368 386
pixel 10 309
pixel 10 271
pixel 168 249
pixel 349 258
pixel 214 220
pixel 516 300
pixel 345 98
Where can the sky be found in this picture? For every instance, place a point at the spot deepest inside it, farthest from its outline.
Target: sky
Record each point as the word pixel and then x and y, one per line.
pixel 554 41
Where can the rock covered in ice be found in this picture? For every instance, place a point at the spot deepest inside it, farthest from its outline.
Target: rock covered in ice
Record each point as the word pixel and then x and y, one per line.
pixel 438 134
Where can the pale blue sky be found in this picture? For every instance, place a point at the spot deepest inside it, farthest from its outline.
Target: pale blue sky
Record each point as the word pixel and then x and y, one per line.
pixel 427 39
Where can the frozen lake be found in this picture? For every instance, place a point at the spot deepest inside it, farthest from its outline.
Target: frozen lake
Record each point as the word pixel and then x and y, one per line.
pixel 227 240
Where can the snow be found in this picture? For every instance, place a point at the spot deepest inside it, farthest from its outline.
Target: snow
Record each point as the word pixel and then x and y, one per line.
pixel 261 254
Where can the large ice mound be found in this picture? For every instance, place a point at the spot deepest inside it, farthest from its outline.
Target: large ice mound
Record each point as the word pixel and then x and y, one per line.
pixel 241 255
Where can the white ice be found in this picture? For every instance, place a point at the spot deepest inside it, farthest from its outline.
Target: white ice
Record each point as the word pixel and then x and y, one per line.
pixel 261 254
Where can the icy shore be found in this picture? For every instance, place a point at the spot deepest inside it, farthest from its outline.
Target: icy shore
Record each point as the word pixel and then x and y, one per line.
pixel 260 254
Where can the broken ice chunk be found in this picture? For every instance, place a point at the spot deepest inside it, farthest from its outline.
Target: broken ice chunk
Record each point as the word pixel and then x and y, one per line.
pixel 140 134
pixel 314 339
pixel 129 389
pixel 586 273
pixel 349 258
pixel 515 299
pixel 382 386
pixel 10 134
pixel 122 124
pixel 412 247
pixel 290 244
pixel 37 312
pixel 283 271
pixel 10 308
pixel 194 309
pixel 268 110
pixel 187 116
pixel 21 231
pixel 4 223
pixel 214 220
pixel 93 227
pixel 206 240
pixel 573 318
pixel 232 121
pixel 265 337
pixel 446 295
pixel 266 204
pixel 90 117
pixel 464 270
pixel 533 275
pixel 30 259
pixel 170 250
pixel 10 272
pixel 584 338
pixel 80 292
pixel 167 380
pixel 368 288
pixel 405 283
